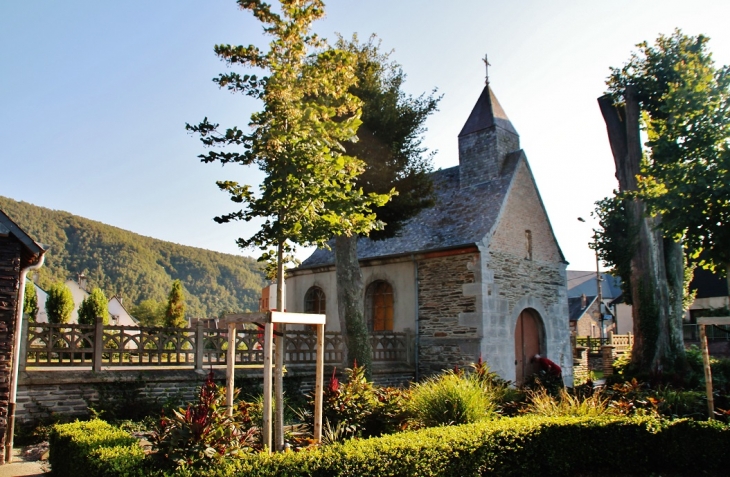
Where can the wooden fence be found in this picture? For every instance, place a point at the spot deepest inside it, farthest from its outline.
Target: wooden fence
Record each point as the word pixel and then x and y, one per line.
pixel 96 346
pixel 620 343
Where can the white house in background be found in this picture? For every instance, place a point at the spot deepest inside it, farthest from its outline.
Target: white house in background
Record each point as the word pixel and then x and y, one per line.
pixel 41 297
pixel 118 315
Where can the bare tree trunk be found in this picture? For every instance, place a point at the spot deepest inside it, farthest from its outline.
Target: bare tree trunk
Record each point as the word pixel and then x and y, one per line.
pixel 657 264
pixel 350 295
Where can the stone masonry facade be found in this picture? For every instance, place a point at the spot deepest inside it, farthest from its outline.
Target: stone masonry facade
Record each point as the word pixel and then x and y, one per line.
pixel 482 155
pixel 10 261
pixel 444 342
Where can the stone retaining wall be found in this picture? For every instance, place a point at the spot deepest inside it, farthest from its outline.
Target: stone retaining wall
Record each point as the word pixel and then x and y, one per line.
pixel 69 393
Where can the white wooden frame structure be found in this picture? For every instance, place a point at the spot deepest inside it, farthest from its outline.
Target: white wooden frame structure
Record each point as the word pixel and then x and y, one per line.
pixel 268 320
pixel 704 321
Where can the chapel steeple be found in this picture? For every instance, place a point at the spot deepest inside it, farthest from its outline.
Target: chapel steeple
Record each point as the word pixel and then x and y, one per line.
pixel 485 140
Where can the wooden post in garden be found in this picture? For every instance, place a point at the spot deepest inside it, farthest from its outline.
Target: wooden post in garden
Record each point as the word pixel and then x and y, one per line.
pixel 268 348
pixel 269 319
pixel 319 384
pixel 230 366
pixel 710 320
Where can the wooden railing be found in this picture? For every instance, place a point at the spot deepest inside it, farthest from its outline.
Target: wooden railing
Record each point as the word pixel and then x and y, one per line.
pixel 621 343
pixel 97 346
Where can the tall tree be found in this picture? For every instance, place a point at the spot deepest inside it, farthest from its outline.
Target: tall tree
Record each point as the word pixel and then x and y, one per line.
pixel 308 193
pixel 150 312
pixel 94 306
pixel 677 190
pixel 390 143
pixel 59 304
pixel 30 301
pixel 175 313
pixel 686 177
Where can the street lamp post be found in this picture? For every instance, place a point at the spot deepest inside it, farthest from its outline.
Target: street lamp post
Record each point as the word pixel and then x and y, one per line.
pixel 599 290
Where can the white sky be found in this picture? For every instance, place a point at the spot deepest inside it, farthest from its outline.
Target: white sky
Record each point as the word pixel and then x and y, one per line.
pixel 94 97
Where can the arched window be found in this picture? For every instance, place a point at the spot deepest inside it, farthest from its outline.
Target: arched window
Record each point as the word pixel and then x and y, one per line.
pixel 379 306
pixel 315 301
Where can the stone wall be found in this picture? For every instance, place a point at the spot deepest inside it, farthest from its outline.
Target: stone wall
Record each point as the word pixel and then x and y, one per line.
pixel 445 340
pixel 482 153
pixel 10 257
pixel 69 393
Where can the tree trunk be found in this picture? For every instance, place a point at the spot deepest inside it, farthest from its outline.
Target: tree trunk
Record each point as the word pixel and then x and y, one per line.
pixel 350 297
pixel 657 264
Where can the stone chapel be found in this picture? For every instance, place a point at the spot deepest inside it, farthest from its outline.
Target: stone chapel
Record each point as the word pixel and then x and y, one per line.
pixel 478 274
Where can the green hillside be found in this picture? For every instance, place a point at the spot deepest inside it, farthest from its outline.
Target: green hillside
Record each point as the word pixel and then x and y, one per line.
pixel 135 267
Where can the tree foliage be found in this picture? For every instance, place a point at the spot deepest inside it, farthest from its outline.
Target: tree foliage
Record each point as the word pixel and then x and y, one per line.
pixel 615 240
pixel 390 145
pixel 391 136
pixel 685 178
pixel 150 312
pixel 138 268
pixel 175 312
pixel 59 304
pixel 30 301
pixel 308 193
pixel 94 306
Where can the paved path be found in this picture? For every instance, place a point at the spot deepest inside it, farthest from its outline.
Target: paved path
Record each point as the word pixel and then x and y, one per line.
pixel 19 467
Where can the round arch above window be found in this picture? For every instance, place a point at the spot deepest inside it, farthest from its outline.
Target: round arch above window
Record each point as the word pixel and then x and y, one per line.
pixel 379 306
pixel 315 301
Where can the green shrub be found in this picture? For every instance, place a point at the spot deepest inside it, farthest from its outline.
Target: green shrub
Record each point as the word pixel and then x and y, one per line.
pixel 542 403
pixel 450 398
pixel 72 447
pixel 527 445
pixel 348 407
pixel 204 434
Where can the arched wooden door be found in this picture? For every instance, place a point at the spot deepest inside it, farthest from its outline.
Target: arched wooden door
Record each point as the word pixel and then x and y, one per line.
pixel 527 344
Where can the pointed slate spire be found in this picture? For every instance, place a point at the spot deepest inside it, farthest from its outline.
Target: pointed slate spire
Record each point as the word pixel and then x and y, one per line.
pixel 487 113
pixel 485 141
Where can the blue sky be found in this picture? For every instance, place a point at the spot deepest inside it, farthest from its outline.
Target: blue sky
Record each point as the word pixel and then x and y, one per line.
pixel 94 97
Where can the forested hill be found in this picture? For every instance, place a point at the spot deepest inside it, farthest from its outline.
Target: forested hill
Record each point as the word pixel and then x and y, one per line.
pixel 135 267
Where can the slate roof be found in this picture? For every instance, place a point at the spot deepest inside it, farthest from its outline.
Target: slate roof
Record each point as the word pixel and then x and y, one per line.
pixel 575 310
pixel 459 217
pixel 7 226
pixel 487 112
pixel 583 282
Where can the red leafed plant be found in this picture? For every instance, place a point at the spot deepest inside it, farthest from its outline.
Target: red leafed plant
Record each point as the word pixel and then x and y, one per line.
pixel 202 434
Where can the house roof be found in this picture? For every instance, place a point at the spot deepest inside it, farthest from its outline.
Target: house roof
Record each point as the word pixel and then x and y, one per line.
pixel 583 282
pixel 459 217
pixel 487 112
pixel 575 310
pixel 7 226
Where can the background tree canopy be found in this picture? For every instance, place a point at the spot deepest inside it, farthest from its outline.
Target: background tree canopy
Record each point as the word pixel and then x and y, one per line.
pixel 685 177
pixel 135 267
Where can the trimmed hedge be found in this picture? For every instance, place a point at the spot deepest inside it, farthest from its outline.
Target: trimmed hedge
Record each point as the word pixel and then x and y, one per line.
pixel 94 449
pixel 528 445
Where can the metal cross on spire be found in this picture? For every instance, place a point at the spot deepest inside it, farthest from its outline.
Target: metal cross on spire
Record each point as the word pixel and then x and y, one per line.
pixel 486 66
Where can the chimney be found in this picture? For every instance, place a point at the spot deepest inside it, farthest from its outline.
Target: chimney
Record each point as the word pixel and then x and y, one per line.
pixel 583 300
pixel 81 279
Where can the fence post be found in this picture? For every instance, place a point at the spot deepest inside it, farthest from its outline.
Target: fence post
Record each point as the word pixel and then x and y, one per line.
pixel 23 357
pixel 607 354
pixel 199 345
pixel 410 342
pixel 610 337
pixel 98 343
